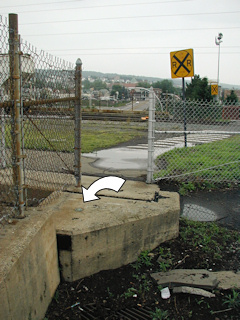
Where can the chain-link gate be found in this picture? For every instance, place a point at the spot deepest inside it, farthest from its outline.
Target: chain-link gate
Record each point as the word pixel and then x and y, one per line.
pixel 40 119
pixel 207 151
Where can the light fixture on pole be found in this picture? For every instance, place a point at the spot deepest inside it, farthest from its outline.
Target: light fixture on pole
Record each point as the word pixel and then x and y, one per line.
pixel 218 40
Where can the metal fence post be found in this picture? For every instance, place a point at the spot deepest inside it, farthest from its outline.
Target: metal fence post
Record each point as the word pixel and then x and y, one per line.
pixel 14 67
pixel 151 120
pixel 3 141
pixel 78 122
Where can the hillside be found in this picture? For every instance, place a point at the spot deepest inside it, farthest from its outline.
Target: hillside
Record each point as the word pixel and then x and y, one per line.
pixel 176 82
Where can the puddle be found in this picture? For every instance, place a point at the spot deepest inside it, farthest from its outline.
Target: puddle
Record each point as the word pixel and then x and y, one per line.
pixel 219 205
pixel 120 158
pixel 198 213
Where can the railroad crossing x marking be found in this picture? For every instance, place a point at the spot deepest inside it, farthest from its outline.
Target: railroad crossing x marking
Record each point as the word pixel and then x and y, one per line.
pixel 214 89
pixel 181 63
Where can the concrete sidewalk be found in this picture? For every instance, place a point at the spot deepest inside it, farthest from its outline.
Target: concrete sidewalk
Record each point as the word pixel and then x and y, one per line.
pixel 89 165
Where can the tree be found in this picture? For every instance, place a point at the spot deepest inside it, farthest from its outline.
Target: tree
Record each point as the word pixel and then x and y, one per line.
pixel 232 97
pixel 198 89
pixel 96 84
pixel 122 91
pixel 86 84
pixel 143 84
pixel 99 84
pixel 165 86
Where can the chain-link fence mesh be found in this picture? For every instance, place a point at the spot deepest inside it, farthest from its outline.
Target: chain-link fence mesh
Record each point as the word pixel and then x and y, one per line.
pixel 197 141
pixel 7 188
pixel 38 124
pixel 48 128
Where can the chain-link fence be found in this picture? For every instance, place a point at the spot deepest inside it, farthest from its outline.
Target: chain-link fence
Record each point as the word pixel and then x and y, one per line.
pixel 40 120
pixel 196 141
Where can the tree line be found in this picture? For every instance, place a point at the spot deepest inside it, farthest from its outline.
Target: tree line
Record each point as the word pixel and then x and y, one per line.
pixel 198 88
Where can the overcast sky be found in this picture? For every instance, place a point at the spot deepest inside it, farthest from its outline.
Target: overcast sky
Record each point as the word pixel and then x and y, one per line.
pixel 134 36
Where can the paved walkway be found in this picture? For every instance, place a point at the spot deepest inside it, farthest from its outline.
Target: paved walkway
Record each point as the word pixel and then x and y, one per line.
pixel 164 145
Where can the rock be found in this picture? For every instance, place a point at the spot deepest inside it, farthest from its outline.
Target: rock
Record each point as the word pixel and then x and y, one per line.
pixel 196 291
pixel 186 277
pixel 228 280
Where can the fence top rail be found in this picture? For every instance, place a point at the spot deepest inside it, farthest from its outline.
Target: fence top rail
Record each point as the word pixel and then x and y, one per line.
pixel 198 132
pixel 30 103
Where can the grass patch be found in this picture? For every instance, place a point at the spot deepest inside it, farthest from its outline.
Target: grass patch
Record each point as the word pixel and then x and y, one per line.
pixel 210 237
pixel 58 135
pixel 92 141
pixel 216 161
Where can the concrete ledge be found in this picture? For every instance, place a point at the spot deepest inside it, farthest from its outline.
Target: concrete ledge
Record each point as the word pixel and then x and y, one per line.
pixel 29 272
pixel 111 232
pixel 91 237
pixel 135 190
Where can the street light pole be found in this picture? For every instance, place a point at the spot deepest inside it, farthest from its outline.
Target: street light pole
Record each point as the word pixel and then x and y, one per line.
pixel 218 40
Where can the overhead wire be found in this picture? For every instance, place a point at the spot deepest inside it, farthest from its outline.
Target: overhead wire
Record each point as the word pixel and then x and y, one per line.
pixel 95 6
pixel 132 17
pixel 133 48
pixel 130 31
pixel 138 53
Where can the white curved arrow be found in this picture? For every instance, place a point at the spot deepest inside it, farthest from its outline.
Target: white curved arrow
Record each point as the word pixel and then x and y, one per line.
pixel 111 182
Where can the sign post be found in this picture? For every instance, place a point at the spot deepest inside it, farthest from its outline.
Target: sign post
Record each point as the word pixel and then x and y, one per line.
pixel 181 67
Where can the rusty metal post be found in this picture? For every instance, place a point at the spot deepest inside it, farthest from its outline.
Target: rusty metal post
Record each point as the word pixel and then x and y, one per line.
pixel 14 67
pixel 78 122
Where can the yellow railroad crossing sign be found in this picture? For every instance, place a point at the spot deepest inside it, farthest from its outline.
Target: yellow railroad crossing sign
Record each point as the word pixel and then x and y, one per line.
pixel 214 89
pixel 182 63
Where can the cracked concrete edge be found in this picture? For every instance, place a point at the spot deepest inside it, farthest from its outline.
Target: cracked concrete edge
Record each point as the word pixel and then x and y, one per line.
pixel 136 190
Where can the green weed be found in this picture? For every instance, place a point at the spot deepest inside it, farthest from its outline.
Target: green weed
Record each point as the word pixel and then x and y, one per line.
pixel 110 294
pixel 56 296
pixel 159 314
pixel 185 188
pixel 144 259
pixel 129 293
pixel 233 301
pixel 207 237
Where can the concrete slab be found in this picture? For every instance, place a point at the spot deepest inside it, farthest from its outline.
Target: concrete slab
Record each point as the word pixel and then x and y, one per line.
pixel 228 279
pixel 135 190
pixel 195 291
pixel 111 232
pixel 196 278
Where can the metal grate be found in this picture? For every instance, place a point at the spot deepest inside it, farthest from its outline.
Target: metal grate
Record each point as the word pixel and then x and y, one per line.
pixel 89 312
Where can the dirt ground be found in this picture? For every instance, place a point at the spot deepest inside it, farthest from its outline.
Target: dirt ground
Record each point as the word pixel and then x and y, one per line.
pixel 131 293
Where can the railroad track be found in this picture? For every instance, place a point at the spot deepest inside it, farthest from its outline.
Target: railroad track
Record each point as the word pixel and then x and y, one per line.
pixel 106 116
pixel 93 115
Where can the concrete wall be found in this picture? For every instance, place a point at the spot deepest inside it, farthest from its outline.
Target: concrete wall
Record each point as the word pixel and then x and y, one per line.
pixel 91 237
pixel 29 272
